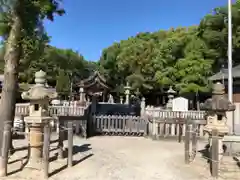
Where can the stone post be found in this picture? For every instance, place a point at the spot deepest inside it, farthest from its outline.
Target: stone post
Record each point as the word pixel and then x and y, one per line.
pixel 39 96
pixel 121 100
pixel 143 106
pixel 81 93
pixel 127 93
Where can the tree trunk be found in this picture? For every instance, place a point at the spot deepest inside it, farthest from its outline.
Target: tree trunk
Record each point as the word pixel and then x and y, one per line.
pixel 11 58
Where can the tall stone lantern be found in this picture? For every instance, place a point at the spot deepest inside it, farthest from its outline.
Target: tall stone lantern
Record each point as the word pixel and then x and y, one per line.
pixel 39 96
pixel 171 94
pixel 127 93
pixel 216 108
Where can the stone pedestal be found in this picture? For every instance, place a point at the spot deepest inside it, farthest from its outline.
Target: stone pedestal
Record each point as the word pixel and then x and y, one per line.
pixel 36 141
pixel 35 145
pixel 220 143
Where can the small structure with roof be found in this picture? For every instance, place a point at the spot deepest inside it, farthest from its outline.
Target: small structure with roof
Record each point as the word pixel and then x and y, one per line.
pixel 222 77
pixel 95 85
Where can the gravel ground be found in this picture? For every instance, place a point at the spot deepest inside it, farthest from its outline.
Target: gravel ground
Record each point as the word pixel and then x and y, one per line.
pixel 117 158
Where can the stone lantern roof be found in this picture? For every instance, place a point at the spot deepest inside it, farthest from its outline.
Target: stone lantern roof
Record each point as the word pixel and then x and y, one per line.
pixel 218 102
pixel 39 90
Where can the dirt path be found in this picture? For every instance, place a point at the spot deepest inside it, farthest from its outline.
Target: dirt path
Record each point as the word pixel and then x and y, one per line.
pixel 116 158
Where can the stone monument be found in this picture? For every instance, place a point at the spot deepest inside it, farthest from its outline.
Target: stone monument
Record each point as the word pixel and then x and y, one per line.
pixel 39 97
pixel 180 104
pixel 110 100
pixel 121 99
pixel 127 93
pixel 216 108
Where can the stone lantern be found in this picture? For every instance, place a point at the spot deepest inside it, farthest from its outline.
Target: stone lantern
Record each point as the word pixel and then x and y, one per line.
pixel 127 93
pixel 216 108
pixel 171 94
pixel 39 96
pixel 121 99
pixel 82 99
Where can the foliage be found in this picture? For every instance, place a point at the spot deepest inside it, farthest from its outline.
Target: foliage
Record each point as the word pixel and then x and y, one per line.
pixel 33 39
pixel 181 57
pixel 63 84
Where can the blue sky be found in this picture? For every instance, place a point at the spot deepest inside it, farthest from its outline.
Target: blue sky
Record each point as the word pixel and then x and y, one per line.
pixel 92 25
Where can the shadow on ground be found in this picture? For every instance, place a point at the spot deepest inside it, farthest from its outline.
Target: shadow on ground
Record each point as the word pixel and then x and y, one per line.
pixel 74 164
pixel 24 160
pixel 76 149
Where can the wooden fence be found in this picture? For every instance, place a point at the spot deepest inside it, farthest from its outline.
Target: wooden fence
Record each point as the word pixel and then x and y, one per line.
pixel 173 124
pixel 79 124
pixel 120 125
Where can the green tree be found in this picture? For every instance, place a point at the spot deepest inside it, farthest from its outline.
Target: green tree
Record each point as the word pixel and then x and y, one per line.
pixel 63 84
pixel 21 19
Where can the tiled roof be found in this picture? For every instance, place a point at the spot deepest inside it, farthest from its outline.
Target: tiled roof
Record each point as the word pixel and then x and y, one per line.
pixel 224 74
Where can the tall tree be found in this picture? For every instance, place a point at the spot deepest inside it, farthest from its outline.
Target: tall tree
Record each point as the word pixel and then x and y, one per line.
pixel 23 16
pixel 63 84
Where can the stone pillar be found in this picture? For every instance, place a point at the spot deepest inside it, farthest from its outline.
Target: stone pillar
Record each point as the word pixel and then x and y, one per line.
pixel 121 100
pixel 82 95
pixel 35 142
pixel 143 106
pixel 127 93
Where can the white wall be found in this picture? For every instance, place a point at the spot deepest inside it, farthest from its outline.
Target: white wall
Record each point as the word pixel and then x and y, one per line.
pixel 233 120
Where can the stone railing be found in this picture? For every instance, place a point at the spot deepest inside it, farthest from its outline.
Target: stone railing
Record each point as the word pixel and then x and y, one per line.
pixel 162 113
pixel 67 110
pixel 23 110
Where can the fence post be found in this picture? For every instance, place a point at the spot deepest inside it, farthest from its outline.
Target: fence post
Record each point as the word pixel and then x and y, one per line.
pixel 180 126
pixel 5 148
pixel 60 139
pixel 194 139
pixel 57 125
pixel 70 143
pixel 215 153
pixel 187 142
pixel 46 145
pixel 146 124
pixel 154 137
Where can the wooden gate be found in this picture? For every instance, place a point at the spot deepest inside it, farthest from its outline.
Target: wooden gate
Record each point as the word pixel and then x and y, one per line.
pixel 119 125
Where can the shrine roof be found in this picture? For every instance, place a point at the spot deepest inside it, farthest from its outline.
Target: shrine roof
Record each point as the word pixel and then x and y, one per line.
pixel 223 74
pixel 94 79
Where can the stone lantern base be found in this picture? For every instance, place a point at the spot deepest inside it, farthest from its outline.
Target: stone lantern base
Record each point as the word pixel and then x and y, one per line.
pixel 222 130
pixel 36 125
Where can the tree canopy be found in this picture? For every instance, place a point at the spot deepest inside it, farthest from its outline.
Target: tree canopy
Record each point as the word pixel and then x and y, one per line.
pixel 182 57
